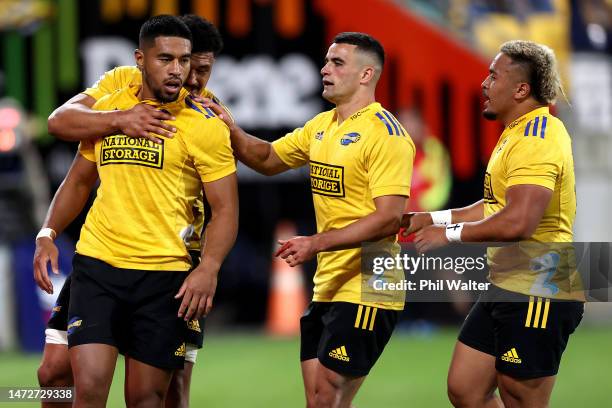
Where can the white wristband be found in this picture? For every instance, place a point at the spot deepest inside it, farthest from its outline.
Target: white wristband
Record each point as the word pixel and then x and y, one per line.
pixel 46 233
pixel 453 232
pixel 444 217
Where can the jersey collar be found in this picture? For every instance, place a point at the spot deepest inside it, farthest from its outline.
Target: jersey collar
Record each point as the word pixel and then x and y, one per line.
pixel 183 93
pixel 532 114
pixel 356 115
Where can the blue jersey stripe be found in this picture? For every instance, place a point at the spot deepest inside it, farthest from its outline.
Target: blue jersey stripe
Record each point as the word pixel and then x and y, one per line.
pixel 535 126
pixel 527 129
pixel 193 106
pixel 543 129
pixel 399 125
pixel 379 116
pixel 392 122
pixel 210 112
pixel 402 129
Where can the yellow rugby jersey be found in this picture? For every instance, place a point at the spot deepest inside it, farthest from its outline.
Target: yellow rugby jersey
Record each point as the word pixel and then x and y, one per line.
pixel 145 201
pixel 124 76
pixel 535 149
pixel 367 156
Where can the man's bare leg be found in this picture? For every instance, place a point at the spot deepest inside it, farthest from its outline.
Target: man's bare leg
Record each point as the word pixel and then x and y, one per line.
pixel 93 366
pixel 472 379
pixel 55 371
pixel 309 376
pixel 146 385
pixel 532 393
pixel 326 388
pixel 178 393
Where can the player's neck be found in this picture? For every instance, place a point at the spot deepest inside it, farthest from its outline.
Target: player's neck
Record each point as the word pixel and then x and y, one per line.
pixel 520 110
pixel 344 110
pixel 145 93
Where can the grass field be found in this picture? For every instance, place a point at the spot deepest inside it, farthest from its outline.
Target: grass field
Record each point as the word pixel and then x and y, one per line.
pixel 248 370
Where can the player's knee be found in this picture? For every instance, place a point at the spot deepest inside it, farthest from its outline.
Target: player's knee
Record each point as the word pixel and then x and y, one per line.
pixel 324 396
pixel 54 374
pixel 329 389
pixel 460 393
pixel 89 392
pixel 153 398
pixel 324 400
pixel 311 398
pixel 455 389
pixel 176 396
pixel 517 395
pixel 456 396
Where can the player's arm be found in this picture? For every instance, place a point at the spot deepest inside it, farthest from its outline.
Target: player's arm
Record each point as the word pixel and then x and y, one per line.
pixel 532 167
pixel 525 206
pixel 389 172
pixel 255 153
pixel 518 220
pixel 67 204
pixel 383 222
pixel 75 120
pixel 214 161
pixel 415 221
pixel 199 288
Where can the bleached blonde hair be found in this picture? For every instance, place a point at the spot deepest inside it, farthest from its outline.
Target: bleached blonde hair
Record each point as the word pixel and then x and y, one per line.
pixel 540 65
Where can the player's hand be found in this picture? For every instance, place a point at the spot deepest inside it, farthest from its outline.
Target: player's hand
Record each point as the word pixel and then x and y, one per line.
pixel 219 111
pixel 46 252
pixel 414 221
pixel 197 292
pixel 198 98
pixel 297 250
pixel 146 121
pixel 429 238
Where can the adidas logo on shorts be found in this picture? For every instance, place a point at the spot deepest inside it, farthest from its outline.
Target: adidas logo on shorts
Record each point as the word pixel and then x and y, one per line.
pixel 194 325
pixel 180 352
pixel 340 354
pixel 511 356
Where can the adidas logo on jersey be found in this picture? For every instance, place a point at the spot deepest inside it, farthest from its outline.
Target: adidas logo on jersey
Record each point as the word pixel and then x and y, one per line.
pixel 511 356
pixel 340 354
pixel 194 325
pixel 180 352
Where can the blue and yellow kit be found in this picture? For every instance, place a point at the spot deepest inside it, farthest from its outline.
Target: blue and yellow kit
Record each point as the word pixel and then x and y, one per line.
pixel 536 149
pixel 368 155
pixel 125 76
pixel 146 233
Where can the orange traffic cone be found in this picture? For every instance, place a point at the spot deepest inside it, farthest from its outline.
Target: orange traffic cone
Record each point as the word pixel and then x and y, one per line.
pixel 287 300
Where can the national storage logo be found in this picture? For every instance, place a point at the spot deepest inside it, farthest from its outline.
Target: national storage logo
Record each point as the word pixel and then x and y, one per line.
pixel 326 179
pixel 489 197
pixel 121 149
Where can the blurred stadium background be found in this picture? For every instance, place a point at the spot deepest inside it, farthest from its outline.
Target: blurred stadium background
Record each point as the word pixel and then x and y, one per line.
pixel 268 74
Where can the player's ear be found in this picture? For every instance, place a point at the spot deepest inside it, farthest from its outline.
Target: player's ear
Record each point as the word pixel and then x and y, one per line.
pixel 139 57
pixel 367 74
pixel 523 90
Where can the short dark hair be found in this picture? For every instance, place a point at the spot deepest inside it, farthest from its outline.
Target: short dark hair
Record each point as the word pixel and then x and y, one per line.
pixel 364 42
pixel 206 37
pixel 163 26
